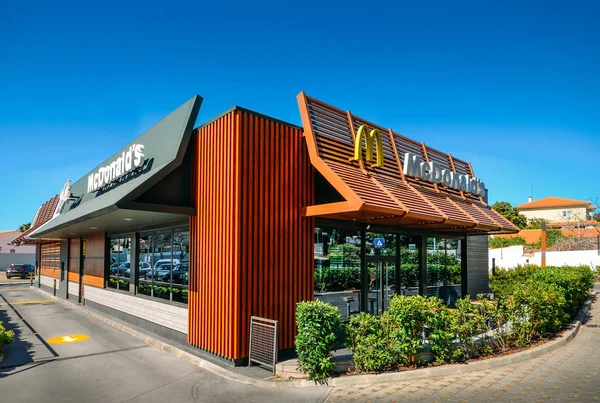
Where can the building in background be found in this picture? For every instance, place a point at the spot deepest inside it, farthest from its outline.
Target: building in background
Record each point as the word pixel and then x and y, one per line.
pixel 558 210
pixel 14 254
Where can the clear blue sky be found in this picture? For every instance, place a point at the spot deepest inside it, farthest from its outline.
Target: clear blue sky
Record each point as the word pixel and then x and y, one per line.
pixel 512 87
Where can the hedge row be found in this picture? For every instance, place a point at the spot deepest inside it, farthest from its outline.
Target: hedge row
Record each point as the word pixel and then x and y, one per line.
pixel 529 303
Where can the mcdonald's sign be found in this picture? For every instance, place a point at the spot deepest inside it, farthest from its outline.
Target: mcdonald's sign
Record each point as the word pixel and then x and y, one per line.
pixel 370 136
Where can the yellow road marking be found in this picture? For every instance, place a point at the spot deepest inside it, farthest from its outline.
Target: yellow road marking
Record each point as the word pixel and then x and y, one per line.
pixel 39 301
pixel 71 338
pixel 15 289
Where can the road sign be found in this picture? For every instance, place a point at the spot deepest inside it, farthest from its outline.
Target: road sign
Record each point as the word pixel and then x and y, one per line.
pixel 379 243
pixel 72 338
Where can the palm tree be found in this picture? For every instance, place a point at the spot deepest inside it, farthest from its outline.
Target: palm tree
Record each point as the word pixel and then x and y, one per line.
pixel 24 227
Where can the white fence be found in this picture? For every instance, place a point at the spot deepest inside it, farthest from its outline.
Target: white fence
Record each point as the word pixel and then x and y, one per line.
pixel 512 256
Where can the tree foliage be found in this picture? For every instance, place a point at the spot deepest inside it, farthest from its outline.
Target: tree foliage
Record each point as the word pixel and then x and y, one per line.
pixel 24 227
pixel 511 213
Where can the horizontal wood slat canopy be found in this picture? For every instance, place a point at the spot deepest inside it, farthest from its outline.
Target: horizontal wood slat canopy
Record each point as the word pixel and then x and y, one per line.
pixel 381 193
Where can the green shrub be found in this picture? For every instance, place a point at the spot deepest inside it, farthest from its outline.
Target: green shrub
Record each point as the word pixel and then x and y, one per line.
pixel 544 308
pixel 470 322
pixel 504 280
pixel 501 242
pixel 368 338
pixel 318 325
pixel 6 337
pixel 574 282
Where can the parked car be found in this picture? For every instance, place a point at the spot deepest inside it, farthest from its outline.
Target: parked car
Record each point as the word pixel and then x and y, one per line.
pixel 19 270
pixel 180 274
pixel 160 262
pixel 123 269
pixel 159 272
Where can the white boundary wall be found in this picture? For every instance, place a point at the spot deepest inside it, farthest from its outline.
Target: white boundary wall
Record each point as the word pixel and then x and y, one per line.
pixel 512 256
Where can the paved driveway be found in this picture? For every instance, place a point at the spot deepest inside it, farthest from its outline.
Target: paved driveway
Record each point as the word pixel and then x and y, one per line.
pixel 109 366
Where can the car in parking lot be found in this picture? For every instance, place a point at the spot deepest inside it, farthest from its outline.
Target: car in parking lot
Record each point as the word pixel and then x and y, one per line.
pixel 163 273
pixel 20 270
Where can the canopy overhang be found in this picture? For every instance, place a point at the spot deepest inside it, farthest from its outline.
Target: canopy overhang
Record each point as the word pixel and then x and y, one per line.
pixel 382 193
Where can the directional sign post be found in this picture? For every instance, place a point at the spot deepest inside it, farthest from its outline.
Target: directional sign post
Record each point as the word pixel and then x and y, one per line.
pixel 379 243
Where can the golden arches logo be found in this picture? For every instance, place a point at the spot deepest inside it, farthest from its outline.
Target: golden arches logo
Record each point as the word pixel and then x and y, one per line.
pixel 370 136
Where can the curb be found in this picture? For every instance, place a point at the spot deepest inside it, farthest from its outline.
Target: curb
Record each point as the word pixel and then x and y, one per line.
pixel 434 372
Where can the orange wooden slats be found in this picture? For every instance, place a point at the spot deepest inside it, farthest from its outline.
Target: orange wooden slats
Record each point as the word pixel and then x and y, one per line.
pixel 74 259
pixel 94 260
pixel 330 135
pixel 50 259
pixel 251 249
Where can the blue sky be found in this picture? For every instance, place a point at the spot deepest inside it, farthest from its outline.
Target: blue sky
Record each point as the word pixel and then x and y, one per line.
pixel 512 87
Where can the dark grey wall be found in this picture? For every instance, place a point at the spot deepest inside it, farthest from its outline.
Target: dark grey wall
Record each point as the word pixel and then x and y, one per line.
pixel 477 265
pixel 6 259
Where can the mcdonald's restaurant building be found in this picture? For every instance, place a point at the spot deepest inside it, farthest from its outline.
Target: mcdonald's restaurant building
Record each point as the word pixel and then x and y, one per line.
pixel 189 231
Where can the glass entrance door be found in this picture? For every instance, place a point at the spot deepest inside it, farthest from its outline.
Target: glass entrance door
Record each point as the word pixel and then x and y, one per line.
pixel 382 284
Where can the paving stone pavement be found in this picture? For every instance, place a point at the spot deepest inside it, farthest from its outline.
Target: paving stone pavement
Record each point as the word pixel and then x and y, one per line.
pixel 569 374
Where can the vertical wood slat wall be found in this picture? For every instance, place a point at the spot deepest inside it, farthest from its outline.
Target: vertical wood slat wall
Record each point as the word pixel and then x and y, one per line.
pixel 50 259
pixel 93 273
pixel 74 259
pixel 251 248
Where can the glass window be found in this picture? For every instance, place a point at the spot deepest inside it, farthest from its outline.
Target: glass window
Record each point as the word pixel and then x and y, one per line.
pixel 337 269
pixel 120 266
pixel 409 265
pixel 444 269
pixel 164 265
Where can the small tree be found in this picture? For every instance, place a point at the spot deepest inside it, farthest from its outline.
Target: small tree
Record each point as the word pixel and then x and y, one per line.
pixel 24 227
pixel 511 213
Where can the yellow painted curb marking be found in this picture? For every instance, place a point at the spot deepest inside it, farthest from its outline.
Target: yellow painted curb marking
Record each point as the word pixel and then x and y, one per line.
pixel 72 338
pixel 39 301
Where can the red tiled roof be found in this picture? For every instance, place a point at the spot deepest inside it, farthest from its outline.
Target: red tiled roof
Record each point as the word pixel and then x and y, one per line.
pixel 549 202
pixel 44 214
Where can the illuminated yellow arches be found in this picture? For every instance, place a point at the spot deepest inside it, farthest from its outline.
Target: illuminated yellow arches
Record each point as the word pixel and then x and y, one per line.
pixel 369 137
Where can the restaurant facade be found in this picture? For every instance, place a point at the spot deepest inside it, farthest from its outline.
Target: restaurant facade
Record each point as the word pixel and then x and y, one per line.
pixel 189 231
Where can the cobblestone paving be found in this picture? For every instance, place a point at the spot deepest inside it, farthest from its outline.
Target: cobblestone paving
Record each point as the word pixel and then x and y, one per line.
pixel 569 374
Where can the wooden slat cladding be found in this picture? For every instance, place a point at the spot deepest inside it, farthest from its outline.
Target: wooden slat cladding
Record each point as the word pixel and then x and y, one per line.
pixel 50 259
pixel 251 250
pixel 369 189
pixel 94 260
pixel 74 259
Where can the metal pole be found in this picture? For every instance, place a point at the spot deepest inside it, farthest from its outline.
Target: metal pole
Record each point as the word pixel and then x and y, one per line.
pixel 543 243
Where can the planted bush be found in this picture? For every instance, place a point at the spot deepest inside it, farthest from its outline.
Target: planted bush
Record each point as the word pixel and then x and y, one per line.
pixel 318 325
pixel 470 322
pixel 6 337
pixel 368 338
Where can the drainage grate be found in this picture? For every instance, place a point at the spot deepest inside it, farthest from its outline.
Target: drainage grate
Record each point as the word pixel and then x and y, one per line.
pixel 263 342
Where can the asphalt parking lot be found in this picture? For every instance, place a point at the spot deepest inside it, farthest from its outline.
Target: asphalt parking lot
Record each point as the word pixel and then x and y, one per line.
pixel 63 355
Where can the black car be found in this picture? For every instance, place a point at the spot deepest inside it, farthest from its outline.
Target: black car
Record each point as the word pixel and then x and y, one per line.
pixel 20 270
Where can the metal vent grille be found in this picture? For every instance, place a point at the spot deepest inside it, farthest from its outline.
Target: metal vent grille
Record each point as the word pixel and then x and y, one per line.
pixel 263 342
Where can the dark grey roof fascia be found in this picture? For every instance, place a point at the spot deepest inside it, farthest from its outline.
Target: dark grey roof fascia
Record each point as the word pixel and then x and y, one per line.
pixel 165 146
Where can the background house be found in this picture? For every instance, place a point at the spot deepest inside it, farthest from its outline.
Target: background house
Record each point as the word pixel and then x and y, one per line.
pixel 557 209
pixel 10 253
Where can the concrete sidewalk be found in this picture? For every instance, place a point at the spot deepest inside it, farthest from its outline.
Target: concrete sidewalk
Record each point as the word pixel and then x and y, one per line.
pixel 107 366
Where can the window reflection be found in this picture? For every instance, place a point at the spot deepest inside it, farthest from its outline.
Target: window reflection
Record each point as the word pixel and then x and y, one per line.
pixel 120 267
pixel 337 269
pixel 444 269
pixel 165 257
